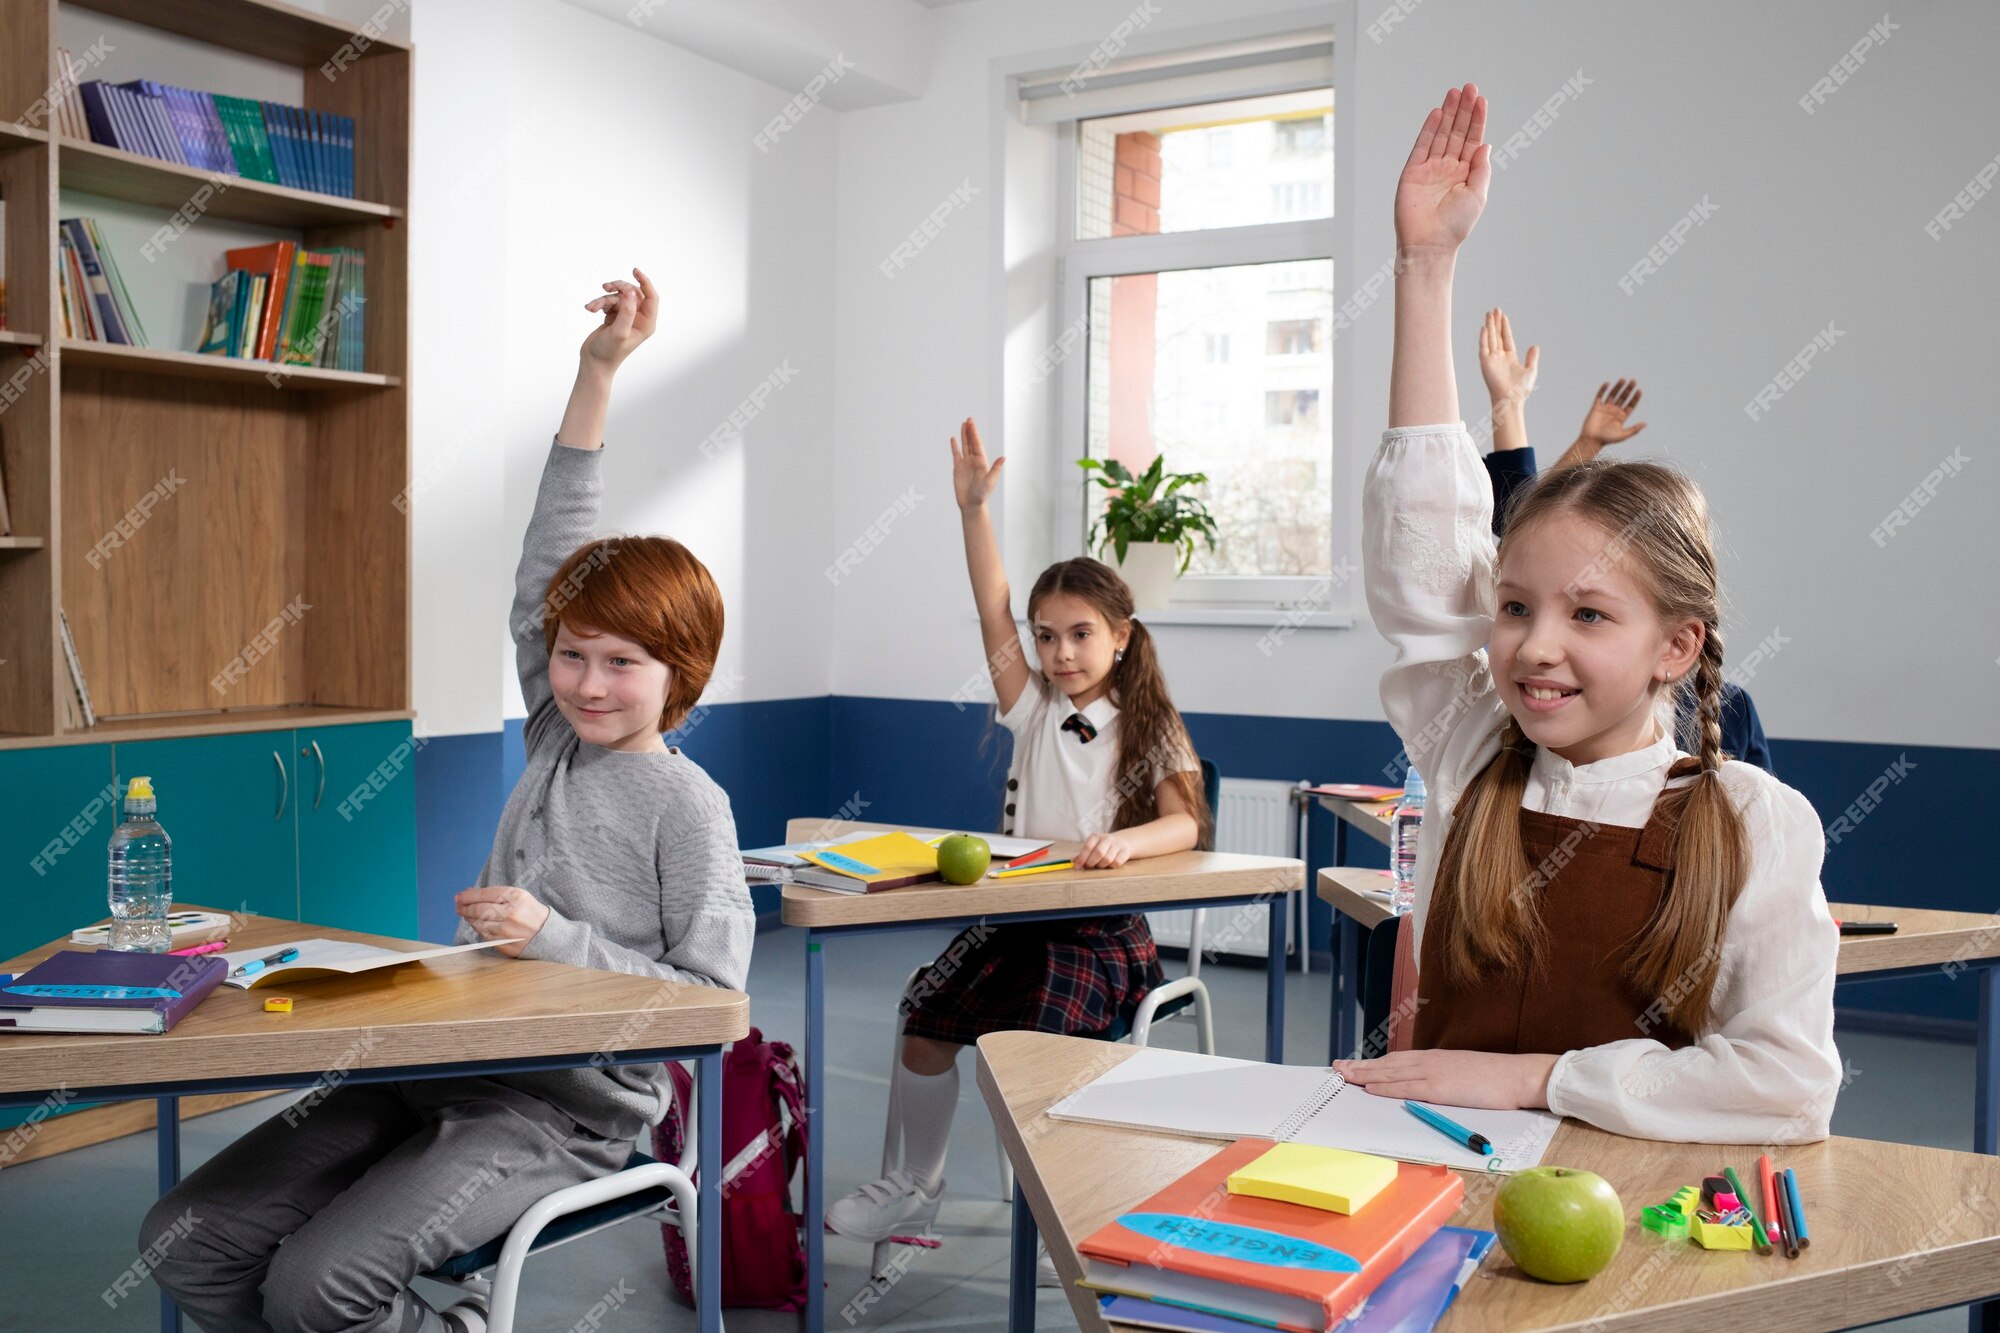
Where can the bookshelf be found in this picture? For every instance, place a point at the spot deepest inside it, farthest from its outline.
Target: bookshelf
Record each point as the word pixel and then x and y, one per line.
pixel 288 490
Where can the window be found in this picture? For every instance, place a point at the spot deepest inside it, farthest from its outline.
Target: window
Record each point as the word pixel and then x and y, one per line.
pixel 1292 337
pixel 1183 250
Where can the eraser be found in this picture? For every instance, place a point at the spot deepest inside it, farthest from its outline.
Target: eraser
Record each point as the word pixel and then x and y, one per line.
pixel 278 1004
pixel 1727 1202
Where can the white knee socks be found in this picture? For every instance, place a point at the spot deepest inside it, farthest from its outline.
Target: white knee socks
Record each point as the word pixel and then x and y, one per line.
pixel 928 1102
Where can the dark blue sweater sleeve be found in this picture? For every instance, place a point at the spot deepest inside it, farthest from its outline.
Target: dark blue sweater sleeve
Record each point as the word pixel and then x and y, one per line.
pixel 1510 470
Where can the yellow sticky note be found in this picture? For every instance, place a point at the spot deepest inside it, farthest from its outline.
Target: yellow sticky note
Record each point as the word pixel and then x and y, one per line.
pixel 1332 1179
pixel 278 1004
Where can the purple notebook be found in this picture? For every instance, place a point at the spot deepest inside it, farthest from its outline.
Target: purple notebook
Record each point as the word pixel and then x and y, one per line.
pixel 107 991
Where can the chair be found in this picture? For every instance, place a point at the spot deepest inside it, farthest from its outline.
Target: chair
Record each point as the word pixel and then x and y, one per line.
pixel 1188 994
pixel 643 1188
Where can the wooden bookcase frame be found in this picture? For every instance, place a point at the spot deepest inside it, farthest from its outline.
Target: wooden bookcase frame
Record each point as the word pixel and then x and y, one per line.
pixel 288 494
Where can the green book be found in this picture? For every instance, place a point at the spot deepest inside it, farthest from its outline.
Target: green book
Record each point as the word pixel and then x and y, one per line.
pixel 301 342
pixel 243 124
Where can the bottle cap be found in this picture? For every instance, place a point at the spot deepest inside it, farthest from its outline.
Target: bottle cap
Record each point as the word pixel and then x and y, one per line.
pixel 1413 782
pixel 141 789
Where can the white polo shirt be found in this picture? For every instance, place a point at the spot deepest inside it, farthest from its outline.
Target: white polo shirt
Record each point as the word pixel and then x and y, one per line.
pixel 1060 786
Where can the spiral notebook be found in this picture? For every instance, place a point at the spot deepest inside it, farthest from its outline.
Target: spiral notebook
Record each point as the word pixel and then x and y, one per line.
pixel 1211 1097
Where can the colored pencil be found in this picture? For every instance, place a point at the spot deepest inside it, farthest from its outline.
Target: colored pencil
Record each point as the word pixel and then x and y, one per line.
pixel 1768 1187
pixel 1757 1236
pixel 1797 1206
pixel 1786 1227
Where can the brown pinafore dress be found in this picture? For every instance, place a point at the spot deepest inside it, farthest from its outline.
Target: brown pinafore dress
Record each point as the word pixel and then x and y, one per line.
pixel 1603 884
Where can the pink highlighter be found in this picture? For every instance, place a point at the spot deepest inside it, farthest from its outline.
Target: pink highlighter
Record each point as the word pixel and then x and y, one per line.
pixel 213 946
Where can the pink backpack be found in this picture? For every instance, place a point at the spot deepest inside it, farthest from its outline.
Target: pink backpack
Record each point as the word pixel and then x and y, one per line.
pixel 763 1142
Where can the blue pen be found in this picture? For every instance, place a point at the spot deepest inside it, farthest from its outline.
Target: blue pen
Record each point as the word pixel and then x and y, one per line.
pixel 1798 1207
pixel 1477 1142
pixel 257 965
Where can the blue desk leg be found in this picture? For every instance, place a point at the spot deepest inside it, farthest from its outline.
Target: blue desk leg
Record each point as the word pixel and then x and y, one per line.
pixel 1346 987
pixel 1021 1268
pixel 1274 984
pixel 1986 1107
pixel 708 1202
pixel 815 1129
pixel 167 1135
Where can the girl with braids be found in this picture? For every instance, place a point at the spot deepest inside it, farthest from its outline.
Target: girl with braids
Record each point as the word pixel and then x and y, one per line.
pixel 1100 755
pixel 1604 926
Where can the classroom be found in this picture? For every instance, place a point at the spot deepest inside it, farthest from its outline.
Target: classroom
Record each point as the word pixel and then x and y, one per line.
pixel 1341 715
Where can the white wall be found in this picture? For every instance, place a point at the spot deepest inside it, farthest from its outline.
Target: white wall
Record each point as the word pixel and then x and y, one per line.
pixel 1818 218
pixel 611 150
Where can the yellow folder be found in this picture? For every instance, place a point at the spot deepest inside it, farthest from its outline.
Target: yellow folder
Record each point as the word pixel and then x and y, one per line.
pixel 886 862
pixel 1332 1179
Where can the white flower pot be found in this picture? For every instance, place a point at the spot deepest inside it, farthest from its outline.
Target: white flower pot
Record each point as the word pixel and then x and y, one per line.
pixel 1149 569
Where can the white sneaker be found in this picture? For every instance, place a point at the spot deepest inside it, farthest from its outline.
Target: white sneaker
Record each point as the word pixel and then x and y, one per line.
pixel 1045 1268
pixel 891 1206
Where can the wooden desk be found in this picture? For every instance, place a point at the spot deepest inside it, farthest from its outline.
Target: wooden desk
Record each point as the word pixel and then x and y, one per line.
pixel 1183 880
pixel 1896 1229
pixel 466 1014
pixel 1925 942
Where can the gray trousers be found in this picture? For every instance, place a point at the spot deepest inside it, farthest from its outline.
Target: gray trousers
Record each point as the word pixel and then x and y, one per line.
pixel 318 1219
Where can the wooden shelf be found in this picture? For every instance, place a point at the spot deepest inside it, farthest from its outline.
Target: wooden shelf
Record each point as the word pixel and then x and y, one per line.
pixel 20 339
pixel 97 169
pixel 193 365
pixel 20 543
pixel 279 32
pixel 15 136
pixel 209 724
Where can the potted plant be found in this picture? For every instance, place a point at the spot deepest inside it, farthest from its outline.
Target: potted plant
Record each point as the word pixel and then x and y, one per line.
pixel 1151 521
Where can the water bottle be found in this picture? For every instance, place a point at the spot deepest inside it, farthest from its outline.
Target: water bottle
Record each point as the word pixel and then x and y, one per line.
pixel 1408 820
pixel 142 875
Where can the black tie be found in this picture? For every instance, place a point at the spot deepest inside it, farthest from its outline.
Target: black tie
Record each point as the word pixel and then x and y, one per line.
pixel 1080 724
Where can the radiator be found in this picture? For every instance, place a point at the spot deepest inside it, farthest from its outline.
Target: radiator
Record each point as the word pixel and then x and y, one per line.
pixel 1257 817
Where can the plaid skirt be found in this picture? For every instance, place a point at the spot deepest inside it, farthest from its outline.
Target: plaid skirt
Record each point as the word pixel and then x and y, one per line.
pixel 1075 978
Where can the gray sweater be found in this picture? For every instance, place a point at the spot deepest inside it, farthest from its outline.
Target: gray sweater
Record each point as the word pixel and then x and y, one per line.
pixel 634 854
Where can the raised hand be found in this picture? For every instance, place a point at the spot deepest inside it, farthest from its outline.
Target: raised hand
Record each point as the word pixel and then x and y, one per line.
pixel 631 311
pixel 972 480
pixel 1507 380
pixel 1605 422
pixel 1443 186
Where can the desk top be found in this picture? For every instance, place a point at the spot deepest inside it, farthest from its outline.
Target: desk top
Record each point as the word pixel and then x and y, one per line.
pixel 469 1006
pixel 1182 876
pixel 1923 938
pixel 1371 817
pixel 1931 1238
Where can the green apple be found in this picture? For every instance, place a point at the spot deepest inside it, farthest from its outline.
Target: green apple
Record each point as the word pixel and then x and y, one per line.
pixel 1559 1224
pixel 962 858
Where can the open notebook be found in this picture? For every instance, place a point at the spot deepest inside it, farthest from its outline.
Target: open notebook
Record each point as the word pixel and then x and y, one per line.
pixel 319 957
pixel 1210 1097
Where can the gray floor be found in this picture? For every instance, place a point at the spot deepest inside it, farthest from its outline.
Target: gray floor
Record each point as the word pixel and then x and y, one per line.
pixel 67 1224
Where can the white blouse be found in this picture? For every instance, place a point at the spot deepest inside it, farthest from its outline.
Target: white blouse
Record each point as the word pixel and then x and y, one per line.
pixel 1061 787
pixel 1766 1070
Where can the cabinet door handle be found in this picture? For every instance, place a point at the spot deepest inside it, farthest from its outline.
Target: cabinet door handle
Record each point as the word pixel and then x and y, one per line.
pixel 284 786
pixel 319 759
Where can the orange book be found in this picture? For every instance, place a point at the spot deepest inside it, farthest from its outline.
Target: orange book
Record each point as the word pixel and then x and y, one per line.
pixel 275 261
pixel 1196 1245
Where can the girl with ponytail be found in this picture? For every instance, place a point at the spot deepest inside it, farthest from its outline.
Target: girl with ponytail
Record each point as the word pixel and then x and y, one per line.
pixel 1604 926
pixel 1100 756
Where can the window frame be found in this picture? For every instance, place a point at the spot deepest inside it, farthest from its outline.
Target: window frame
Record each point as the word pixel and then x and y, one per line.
pixel 1081 261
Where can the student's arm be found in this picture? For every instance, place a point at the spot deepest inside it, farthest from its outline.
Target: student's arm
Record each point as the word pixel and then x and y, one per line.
pixel 1604 424
pixel 1509 381
pixel 705 914
pixel 973 481
pixel 567 504
pixel 1427 504
pixel 1175 830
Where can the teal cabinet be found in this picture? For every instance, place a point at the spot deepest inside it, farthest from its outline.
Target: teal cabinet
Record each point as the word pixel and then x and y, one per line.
pixel 57 813
pixel 229 803
pixel 358 827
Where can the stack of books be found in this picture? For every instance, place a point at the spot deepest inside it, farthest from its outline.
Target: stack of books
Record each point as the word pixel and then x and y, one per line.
pixel 96 306
pixel 278 302
pixel 264 141
pixel 1306 1240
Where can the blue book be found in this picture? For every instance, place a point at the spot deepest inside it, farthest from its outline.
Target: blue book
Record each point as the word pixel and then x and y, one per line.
pixel 1410 1300
pixel 72 991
